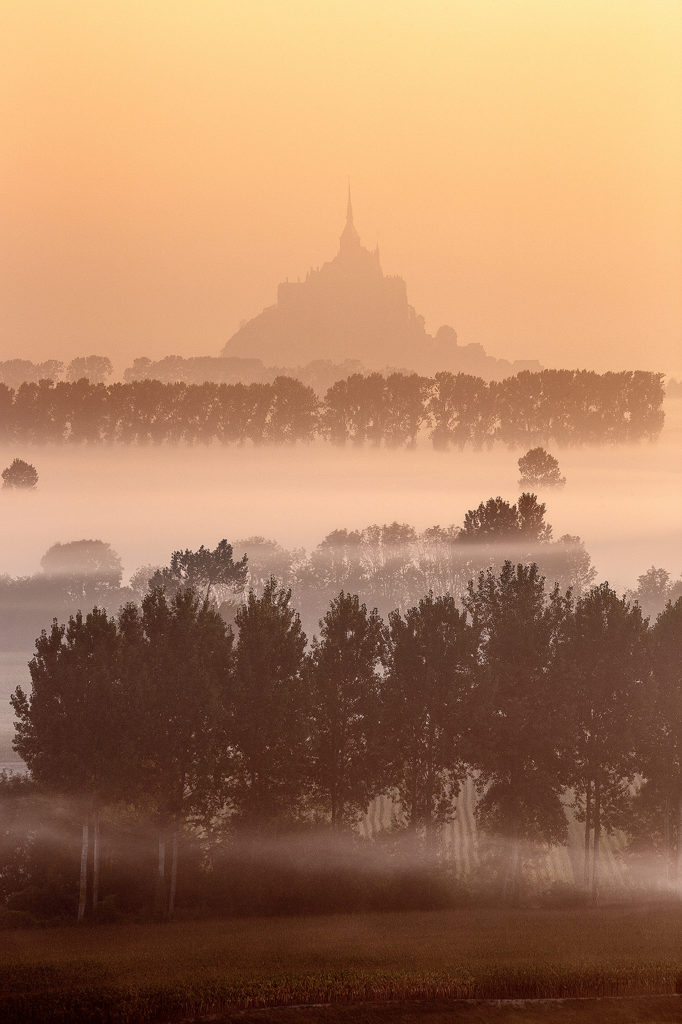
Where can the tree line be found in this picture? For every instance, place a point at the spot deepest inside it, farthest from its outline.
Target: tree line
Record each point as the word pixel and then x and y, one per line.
pixel 207 730
pixel 388 565
pixel 452 410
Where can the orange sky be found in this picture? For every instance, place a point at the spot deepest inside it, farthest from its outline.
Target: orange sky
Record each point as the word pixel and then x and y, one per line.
pixel 165 163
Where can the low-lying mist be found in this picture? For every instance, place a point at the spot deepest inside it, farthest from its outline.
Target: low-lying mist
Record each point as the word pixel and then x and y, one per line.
pixel 146 502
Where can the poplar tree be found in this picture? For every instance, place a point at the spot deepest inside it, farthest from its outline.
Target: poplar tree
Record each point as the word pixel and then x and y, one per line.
pixel 71 727
pixel 663 755
pixel 606 656
pixel 520 708
pixel 427 708
pixel 344 679
pixel 267 713
pixel 182 650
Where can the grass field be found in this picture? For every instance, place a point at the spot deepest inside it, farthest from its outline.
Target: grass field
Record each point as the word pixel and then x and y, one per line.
pixel 162 972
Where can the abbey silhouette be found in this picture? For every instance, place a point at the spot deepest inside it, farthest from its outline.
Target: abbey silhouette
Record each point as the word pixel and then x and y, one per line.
pixel 348 309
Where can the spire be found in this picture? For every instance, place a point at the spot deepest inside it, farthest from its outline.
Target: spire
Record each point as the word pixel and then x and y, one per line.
pixel 349 238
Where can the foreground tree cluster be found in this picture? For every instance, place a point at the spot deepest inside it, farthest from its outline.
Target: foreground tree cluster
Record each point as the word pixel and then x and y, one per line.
pixel 453 410
pixel 220 734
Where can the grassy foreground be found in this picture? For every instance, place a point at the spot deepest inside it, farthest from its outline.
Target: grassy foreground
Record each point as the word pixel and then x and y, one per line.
pixel 160 972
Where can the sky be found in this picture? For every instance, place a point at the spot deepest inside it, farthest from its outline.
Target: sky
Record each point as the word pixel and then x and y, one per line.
pixel 164 164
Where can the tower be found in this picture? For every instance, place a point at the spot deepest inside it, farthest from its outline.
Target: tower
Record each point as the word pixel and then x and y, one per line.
pixel 350 239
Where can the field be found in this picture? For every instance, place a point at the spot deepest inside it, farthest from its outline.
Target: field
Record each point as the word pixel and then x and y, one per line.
pixel 163 972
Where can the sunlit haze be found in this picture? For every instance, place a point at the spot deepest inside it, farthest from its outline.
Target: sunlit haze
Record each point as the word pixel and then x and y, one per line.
pixel 165 165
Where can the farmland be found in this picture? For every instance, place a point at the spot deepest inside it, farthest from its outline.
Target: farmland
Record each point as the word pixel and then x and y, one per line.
pixel 160 972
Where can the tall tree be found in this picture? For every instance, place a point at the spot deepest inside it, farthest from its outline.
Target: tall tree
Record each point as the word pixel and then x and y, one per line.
pixel 606 656
pixel 663 757
pixel 268 728
pixel 71 728
pixel 344 677
pixel 180 652
pixel 426 708
pixel 520 706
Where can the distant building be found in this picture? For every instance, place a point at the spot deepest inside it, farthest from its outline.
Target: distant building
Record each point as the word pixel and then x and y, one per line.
pixel 348 309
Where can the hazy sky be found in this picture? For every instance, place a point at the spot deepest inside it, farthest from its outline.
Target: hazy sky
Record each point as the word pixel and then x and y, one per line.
pixel 165 163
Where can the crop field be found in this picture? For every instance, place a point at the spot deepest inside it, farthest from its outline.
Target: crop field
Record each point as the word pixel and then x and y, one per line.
pixel 136 973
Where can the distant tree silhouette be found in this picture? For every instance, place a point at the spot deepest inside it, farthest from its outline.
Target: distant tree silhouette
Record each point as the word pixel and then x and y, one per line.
pixel 20 474
pixel 96 369
pixel 88 570
pixel 204 570
pixel 569 407
pixel 496 521
pixel 15 372
pixel 654 589
pixel 539 469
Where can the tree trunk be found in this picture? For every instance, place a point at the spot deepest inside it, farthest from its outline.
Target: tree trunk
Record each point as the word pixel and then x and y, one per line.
pixel 413 801
pixel 174 873
pixel 515 869
pixel 588 825
pixel 95 860
pixel 160 898
pixel 512 873
pixel 679 843
pixel 82 897
pixel 597 838
pixel 667 843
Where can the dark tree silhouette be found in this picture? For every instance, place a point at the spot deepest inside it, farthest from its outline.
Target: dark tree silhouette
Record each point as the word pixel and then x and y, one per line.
pixel 344 679
pixel 267 726
pixel 539 469
pixel 204 570
pixel 497 522
pixel 20 474
pixel 425 713
pixel 663 756
pixel 71 729
pixel 179 654
pixel 605 658
pixel 520 708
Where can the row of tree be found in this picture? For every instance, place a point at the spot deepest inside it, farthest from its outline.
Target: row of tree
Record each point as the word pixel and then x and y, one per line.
pixel 543 698
pixel 453 410
pixel 15 372
pixel 390 566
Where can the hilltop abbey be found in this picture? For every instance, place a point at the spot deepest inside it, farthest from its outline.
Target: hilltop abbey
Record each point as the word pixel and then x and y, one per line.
pixel 348 309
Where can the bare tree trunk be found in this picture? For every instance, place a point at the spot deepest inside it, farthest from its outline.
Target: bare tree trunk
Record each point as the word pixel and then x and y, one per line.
pixel 588 826
pixel 174 872
pixel 82 896
pixel 95 860
pixel 413 800
pixel 597 838
pixel 515 869
pixel 160 899
pixel 667 842
pixel 679 843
